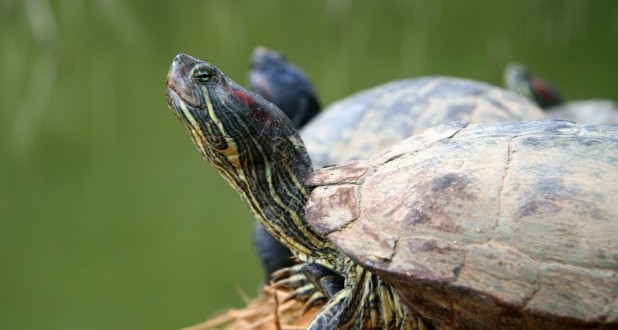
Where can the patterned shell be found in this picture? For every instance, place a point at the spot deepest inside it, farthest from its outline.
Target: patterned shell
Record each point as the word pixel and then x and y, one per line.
pixel 486 226
pixel 367 122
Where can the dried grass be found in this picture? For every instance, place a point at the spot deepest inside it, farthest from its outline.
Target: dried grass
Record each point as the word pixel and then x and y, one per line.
pixel 263 313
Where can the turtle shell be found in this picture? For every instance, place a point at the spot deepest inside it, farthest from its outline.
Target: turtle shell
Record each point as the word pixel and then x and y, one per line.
pixel 486 226
pixel 591 112
pixel 367 122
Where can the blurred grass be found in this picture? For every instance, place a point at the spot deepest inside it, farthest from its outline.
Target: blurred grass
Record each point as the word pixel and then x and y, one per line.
pixel 108 217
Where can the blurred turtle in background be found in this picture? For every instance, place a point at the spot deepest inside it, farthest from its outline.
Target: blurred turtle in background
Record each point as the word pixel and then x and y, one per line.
pixel 588 112
pixel 284 84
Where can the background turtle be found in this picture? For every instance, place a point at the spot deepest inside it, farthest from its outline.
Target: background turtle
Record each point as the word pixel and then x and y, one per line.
pixel 482 182
pixel 371 120
pixel 367 122
pixel 488 226
pixel 589 112
pixel 520 80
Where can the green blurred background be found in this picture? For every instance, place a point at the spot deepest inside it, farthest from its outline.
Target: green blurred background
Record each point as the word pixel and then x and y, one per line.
pixel 109 219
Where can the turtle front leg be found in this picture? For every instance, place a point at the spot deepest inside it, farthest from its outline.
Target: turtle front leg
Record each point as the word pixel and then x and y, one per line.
pixel 310 282
pixel 366 302
pixel 333 315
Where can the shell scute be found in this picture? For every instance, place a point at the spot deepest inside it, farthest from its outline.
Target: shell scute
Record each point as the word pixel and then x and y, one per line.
pixel 332 207
pixel 368 243
pixel 349 172
pixel 573 293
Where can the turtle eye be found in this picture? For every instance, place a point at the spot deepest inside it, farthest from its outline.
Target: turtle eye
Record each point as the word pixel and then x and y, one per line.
pixel 203 75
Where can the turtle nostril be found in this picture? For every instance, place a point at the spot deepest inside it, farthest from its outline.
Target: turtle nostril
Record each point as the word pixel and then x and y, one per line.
pixel 179 58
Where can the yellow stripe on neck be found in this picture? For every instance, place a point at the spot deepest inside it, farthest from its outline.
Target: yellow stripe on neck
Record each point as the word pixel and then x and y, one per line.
pixel 231 152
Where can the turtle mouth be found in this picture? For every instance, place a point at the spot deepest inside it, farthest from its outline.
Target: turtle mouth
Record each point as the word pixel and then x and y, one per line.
pixel 172 95
pixel 175 100
pixel 179 106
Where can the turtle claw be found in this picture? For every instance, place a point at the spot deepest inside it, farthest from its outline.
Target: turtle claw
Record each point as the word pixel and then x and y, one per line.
pixel 301 288
pixel 280 274
pixel 292 282
pixel 302 293
pixel 316 299
pixel 286 272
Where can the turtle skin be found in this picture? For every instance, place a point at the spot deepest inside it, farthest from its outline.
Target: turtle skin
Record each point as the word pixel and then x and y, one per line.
pixel 486 226
pixel 284 84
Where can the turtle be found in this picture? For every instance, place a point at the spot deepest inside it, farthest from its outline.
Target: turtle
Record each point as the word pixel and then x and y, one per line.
pixel 370 120
pixel 536 171
pixel 590 112
pixel 279 81
pixel 485 226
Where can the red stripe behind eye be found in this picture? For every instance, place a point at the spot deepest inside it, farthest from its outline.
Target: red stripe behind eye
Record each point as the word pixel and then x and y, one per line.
pixel 244 98
pixel 255 108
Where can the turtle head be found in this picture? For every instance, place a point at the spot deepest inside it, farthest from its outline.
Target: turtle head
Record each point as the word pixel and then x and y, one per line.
pixel 520 80
pixel 266 59
pixel 184 80
pixel 265 71
pixel 223 119
pixel 252 144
